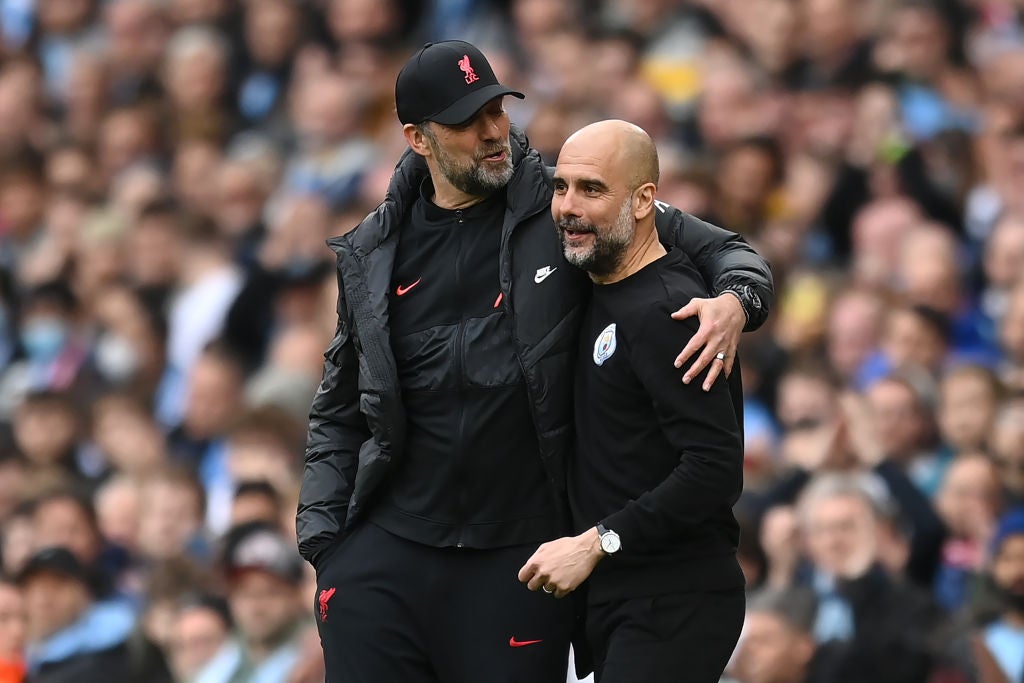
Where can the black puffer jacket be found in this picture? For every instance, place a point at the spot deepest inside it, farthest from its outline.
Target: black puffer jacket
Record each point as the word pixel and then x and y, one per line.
pixel 357 421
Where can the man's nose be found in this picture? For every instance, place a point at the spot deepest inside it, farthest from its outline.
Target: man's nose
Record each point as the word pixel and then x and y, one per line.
pixel 566 205
pixel 489 129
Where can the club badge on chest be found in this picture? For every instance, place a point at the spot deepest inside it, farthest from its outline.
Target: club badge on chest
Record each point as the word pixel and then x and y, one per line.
pixel 604 345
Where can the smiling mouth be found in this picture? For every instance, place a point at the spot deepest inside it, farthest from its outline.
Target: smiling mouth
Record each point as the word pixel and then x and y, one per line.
pixel 496 156
pixel 576 232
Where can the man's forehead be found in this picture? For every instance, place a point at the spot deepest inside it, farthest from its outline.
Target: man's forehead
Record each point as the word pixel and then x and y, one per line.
pixel 585 165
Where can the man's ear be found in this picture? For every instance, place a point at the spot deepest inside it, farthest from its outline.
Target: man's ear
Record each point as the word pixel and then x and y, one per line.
pixel 416 140
pixel 643 201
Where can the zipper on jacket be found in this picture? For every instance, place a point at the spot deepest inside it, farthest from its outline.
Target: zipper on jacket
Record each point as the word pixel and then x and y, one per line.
pixel 507 304
pixel 460 432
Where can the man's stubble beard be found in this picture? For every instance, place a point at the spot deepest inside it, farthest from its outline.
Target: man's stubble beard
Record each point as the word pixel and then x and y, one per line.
pixel 608 250
pixel 475 179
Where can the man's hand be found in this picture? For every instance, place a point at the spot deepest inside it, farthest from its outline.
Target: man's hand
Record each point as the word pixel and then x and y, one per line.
pixel 780 538
pixel 721 324
pixel 560 566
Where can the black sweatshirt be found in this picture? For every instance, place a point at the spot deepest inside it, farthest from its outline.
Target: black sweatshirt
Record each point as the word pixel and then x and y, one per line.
pixel 658 461
pixel 471 473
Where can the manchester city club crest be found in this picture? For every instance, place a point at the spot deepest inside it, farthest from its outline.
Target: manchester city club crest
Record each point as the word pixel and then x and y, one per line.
pixel 604 345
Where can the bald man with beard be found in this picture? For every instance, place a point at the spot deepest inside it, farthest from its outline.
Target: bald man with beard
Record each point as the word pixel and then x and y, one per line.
pixel 658 463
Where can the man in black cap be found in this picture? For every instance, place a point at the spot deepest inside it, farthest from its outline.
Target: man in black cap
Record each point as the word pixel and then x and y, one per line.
pixel 72 636
pixel 435 459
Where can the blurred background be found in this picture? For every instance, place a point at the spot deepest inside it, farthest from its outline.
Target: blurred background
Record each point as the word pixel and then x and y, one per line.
pixel 170 169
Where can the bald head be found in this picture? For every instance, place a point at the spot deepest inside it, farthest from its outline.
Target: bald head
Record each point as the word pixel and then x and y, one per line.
pixel 623 148
pixel 603 201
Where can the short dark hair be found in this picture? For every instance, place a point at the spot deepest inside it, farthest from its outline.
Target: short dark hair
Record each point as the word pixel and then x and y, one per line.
pixel 56 293
pixel 212 602
pixel 937 321
pixel 161 207
pixel 69 495
pixel 258 487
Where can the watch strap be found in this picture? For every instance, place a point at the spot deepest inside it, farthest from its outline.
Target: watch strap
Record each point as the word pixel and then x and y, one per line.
pixel 739 297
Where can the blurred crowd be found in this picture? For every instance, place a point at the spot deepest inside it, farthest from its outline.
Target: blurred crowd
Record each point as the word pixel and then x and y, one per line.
pixel 170 169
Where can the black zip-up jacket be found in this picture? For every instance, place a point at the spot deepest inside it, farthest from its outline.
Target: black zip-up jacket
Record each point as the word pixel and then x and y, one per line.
pixel 357 420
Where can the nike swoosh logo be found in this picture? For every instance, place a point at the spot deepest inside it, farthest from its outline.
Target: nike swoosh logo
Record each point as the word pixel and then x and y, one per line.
pixel 402 291
pixel 542 274
pixel 512 642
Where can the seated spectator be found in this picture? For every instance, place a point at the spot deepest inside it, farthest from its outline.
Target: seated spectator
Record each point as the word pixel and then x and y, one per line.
pixel 969 502
pixel 914 338
pixel 854 330
pixel 264 576
pixel 118 502
pixel 1004 636
pixel 63 518
pixel 968 398
pixel 127 437
pixel 256 501
pixel 56 350
pixel 200 640
pixel 163 590
pixel 71 635
pixel 171 517
pixel 263 444
pixel 901 405
pixel 46 432
pixel 777 645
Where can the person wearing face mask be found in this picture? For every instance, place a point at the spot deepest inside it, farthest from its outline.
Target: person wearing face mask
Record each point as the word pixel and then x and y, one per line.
pixel 54 357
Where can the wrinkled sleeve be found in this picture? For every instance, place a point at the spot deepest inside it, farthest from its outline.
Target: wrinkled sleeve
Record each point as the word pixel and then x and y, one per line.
pixel 724 258
pixel 336 431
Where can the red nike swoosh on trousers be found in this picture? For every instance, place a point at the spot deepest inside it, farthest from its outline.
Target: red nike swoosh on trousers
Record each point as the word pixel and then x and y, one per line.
pixel 402 291
pixel 512 642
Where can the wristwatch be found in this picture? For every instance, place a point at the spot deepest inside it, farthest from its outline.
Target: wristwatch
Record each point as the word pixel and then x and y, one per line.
pixel 610 541
pixel 750 302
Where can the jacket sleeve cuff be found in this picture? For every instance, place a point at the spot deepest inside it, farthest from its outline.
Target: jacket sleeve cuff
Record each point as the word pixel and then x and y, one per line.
pixel 628 527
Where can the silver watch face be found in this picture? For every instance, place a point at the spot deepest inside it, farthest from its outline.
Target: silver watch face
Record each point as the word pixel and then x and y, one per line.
pixel 610 542
pixel 755 300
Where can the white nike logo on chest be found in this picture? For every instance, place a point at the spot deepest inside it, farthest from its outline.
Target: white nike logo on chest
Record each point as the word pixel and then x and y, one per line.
pixel 542 274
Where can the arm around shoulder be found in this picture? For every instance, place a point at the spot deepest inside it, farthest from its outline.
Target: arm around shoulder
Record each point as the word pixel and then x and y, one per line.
pixel 724 259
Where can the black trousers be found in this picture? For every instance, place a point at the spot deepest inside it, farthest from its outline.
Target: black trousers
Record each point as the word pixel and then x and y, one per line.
pixel 673 638
pixel 391 610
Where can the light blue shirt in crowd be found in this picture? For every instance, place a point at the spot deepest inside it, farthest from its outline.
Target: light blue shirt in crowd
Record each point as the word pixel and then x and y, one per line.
pixel 1006 643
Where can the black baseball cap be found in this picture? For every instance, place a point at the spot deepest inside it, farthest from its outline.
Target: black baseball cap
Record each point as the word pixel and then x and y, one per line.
pixel 446 82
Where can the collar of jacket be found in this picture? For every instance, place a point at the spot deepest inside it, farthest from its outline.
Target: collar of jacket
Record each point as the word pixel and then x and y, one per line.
pixel 528 192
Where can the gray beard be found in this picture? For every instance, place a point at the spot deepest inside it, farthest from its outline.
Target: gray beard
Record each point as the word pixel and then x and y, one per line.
pixel 474 179
pixel 609 248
